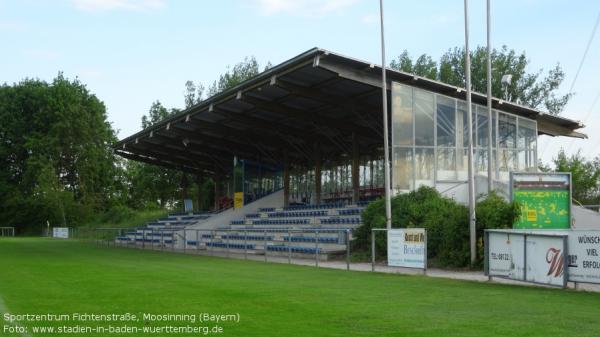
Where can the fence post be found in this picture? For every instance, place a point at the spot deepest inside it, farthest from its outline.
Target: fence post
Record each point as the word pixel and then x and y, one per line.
pixel 227 244
pixel 347 249
pixel 162 240
pixel 289 244
pixel 265 241
pixel 184 240
pixel 245 244
pixel 173 236
pixel 212 238
pixel 197 241
pixel 372 250
pixel 317 248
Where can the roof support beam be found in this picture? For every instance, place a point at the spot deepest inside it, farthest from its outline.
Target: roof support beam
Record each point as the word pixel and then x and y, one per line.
pixel 159 162
pixel 348 103
pixel 174 155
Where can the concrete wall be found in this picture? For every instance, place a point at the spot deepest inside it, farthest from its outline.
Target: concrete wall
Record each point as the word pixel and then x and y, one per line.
pixel 224 218
pixel 584 218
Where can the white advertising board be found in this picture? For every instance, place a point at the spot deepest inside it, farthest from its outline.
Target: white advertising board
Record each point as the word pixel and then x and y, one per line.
pixel 537 257
pixel 584 256
pixel 545 260
pixel 60 232
pixel 506 255
pixel 407 248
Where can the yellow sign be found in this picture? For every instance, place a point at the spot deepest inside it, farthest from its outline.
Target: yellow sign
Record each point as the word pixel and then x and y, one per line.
pixel 238 200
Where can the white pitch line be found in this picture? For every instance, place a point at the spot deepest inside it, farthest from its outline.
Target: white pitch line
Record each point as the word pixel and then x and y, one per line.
pixel 4 310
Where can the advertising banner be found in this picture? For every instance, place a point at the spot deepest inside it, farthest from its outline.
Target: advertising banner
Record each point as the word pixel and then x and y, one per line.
pixel 545 200
pixel 537 257
pixel 238 200
pixel 60 232
pixel 407 248
pixel 584 256
pixel 545 261
pixel 506 255
pixel 582 252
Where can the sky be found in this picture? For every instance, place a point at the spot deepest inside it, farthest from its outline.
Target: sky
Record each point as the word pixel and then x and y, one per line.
pixel 131 53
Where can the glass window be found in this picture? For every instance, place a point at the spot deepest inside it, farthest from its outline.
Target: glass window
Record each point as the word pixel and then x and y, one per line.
pixel 462 164
pixel 446 121
pixel 424 112
pixel 446 163
pixel 402 114
pixel 481 161
pixel 482 126
pixel 507 130
pixel 527 161
pixel 527 136
pixel 403 168
pixel 424 167
pixel 507 160
pixel 463 117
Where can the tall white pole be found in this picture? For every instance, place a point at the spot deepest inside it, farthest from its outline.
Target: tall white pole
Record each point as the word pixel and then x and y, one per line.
pixel 388 201
pixel 489 96
pixel 472 216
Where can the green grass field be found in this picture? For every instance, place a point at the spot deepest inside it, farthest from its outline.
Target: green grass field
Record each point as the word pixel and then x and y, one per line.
pixel 64 277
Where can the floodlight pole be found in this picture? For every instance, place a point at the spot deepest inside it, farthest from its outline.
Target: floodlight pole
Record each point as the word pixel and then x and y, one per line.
pixel 489 97
pixel 472 216
pixel 388 202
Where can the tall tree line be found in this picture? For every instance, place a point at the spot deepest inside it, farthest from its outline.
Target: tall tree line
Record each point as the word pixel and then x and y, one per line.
pixel 55 156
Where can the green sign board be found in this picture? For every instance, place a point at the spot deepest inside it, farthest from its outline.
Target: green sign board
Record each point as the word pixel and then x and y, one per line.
pixel 545 200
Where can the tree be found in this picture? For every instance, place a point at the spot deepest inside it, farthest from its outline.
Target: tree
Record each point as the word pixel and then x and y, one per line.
pixel 585 176
pixel 157 113
pixel 242 71
pixel 152 186
pixel 527 88
pixel 56 161
pixel 193 93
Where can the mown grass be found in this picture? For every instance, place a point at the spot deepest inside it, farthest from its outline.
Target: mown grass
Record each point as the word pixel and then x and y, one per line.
pixel 49 276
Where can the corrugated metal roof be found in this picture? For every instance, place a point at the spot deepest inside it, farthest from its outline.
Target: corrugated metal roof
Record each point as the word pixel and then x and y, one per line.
pixel 317 98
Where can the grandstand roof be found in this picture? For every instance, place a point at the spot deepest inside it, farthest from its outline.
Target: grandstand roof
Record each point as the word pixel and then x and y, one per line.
pixel 317 98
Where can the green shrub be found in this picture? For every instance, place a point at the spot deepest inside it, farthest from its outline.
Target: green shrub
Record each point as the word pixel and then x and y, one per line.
pixel 446 221
pixel 117 214
pixel 494 212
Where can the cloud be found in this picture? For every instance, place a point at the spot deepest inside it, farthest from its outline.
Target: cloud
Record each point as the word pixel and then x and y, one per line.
pixel 443 19
pixel 310 8
pixel 12 26
pixel 109 5
pixel 41 54
pixel 88 73
pixel 370 19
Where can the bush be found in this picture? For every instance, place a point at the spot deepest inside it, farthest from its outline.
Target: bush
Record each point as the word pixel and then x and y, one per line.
pixel 494 212
pixel 117 214
pixel 446 221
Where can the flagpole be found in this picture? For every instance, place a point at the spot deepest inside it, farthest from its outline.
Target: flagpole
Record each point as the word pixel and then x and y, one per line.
pixel 471 172
pixel 489 97
pixel 388 201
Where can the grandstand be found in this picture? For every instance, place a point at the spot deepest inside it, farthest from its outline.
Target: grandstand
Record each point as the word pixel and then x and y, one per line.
pixel 296 153
pixel 295 231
